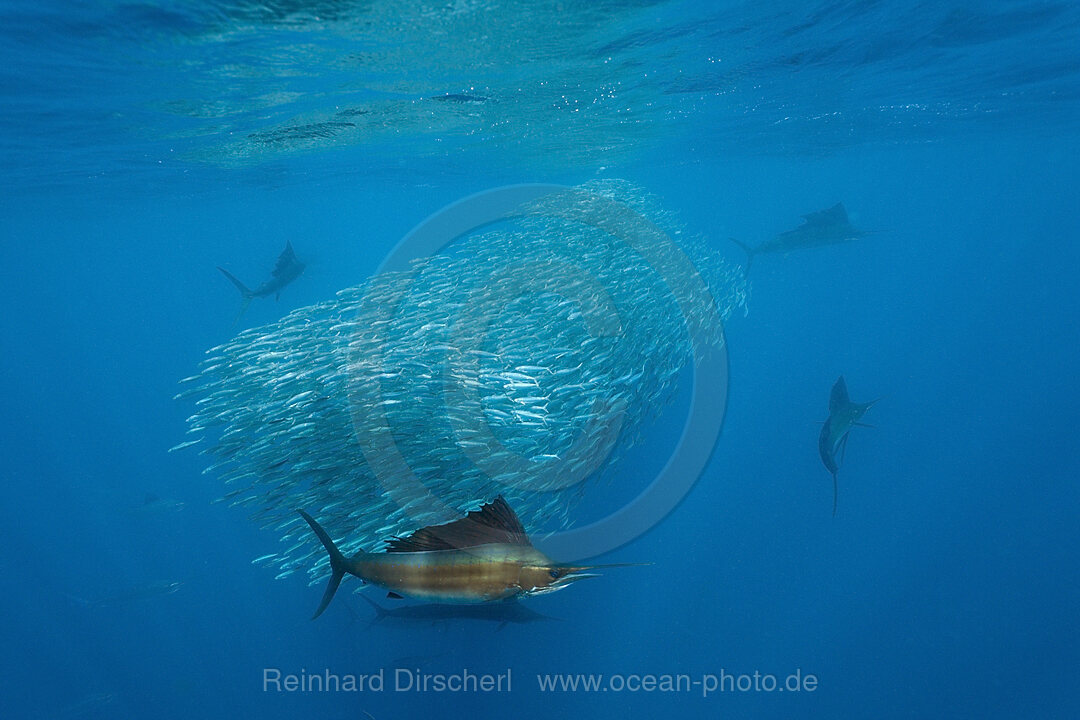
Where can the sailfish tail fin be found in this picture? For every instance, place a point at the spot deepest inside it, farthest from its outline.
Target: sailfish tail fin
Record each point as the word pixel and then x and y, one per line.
pixel 243 309
pixel 244 290
pixel 834 494
pixel 338 564
pixel 746 249
pixel 245 293
pixel 380 611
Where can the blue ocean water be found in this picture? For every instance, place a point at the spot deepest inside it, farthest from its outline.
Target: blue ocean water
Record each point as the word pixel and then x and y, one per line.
pixel 144 144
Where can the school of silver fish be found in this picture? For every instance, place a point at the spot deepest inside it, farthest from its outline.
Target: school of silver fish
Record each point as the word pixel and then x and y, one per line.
pixel 523 361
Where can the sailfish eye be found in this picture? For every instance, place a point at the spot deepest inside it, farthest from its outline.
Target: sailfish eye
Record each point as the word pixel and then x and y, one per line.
pixel 554 574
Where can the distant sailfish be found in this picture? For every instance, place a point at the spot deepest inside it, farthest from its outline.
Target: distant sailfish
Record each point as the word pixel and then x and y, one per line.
pixel 483 557
pixel 502 613
pixel 825 227
pixel 287 269
pixel 843 415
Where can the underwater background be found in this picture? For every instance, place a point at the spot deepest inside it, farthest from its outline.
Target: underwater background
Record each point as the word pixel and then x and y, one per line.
pixel 143 144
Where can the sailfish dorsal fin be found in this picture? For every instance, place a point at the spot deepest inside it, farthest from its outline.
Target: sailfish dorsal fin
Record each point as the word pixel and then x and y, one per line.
pixel 285 260
pixel 838 398
pixel 494 522
pixel 836 214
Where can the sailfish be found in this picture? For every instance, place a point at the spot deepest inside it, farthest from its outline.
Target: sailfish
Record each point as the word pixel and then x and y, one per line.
pixel 287 269
pixel 502 613
pixel 843 415
pixel 483 557
pixel 824 227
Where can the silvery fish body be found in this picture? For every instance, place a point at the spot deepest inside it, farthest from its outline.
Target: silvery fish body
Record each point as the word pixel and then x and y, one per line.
pixel 494 368
pixel 483 557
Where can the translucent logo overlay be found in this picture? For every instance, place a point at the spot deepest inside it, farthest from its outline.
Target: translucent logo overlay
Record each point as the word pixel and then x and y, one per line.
pixel 701 317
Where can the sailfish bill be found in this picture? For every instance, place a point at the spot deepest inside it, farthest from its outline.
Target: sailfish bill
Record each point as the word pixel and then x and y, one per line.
pixel 483 557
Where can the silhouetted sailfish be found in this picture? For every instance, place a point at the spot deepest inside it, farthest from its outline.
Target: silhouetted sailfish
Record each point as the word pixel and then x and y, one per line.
pixel 843 415
pixel 483 557
pixel 287 269
pixel 501 613
pixel 825 227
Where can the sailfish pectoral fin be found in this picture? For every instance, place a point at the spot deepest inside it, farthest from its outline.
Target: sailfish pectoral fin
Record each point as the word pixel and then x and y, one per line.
pixel 843 446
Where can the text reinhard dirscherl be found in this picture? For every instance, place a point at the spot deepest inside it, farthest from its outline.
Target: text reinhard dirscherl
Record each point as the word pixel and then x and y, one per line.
pixel 465 680
pixel 401 680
